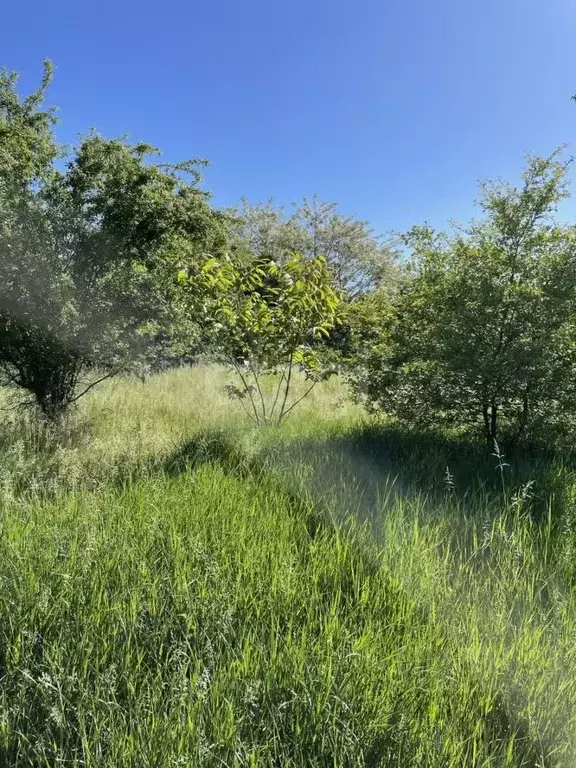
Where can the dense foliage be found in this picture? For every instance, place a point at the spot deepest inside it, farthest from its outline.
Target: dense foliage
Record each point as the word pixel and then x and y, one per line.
pixel 482 334
pixel 265 319
pixel 358 259
pixel 86 253
pixel 111 260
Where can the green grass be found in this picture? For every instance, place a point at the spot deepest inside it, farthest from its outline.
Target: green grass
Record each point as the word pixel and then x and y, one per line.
pixel 180 588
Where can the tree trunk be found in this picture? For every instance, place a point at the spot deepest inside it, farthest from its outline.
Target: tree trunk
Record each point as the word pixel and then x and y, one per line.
pixel 490 418
pixel 486 418
pixel 493 421
pixel 53 388
pixel 523 420
pixel 53 406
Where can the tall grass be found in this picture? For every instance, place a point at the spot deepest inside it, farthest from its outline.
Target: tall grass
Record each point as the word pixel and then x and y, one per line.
pixel 127 428
pixel 181 589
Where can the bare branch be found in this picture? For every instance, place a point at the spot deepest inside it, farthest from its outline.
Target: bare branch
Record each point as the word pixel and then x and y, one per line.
pixel 278 390
pixel 285 413
pixel 93 384
pixel 247 388
pixel 286 390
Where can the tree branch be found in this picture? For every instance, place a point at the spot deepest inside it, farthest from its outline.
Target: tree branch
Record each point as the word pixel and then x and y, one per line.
pixel 93 384
pixel 278 390
pixel 285 413
pixel 288 379
pixel 247 388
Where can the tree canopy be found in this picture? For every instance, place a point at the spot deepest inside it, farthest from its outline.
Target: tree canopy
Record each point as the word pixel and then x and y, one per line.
pixel 482 335
pixel 87 251
pixel 265 318
pixel 358 260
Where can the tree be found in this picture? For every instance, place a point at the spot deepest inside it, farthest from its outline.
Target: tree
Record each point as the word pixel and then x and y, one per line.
pixel 483 335
pixel 87 253
pixel 265 318
pixel 359 261
pixel 263 230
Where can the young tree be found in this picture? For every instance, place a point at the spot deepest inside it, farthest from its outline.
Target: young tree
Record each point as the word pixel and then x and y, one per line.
pixel 265 318
pixel 87 253
pixel 482 336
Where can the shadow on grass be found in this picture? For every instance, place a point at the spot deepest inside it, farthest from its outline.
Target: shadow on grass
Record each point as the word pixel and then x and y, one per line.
pixel 359 470
pixel 356 472
pixel 417 464
pixel 356 476
pixel 215 446
pixel 370 466
pixel 209 446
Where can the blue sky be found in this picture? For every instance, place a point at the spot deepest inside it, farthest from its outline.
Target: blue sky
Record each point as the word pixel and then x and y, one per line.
pixel 394 108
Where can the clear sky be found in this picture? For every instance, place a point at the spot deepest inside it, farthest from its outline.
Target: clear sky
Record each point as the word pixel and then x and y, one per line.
pixel 394 108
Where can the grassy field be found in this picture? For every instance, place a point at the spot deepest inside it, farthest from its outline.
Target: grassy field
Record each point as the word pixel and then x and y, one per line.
pixel 181 588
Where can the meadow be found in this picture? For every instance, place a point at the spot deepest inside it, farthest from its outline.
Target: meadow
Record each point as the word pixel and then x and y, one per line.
pixel 180 587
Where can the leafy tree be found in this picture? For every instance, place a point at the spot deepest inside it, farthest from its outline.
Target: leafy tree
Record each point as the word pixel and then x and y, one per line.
pixel 358 260
pixel 265 318
pixel 263 230
pixel 87 252
pixel 483 335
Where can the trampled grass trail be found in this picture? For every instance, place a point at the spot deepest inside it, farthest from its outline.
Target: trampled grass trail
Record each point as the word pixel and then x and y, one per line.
pixel 181 589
